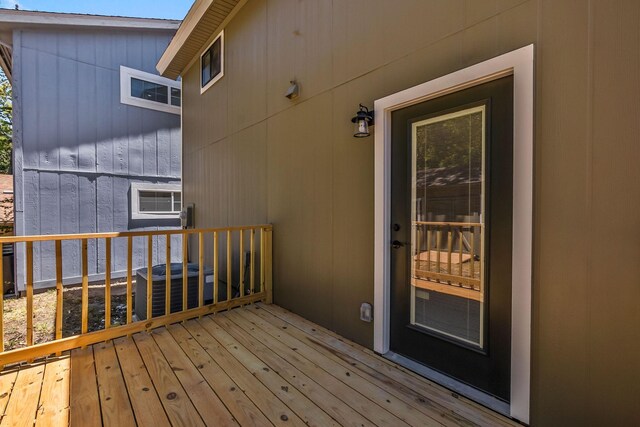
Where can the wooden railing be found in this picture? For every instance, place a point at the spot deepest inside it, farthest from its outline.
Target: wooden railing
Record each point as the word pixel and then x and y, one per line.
pixel 448 253
pixel 256 287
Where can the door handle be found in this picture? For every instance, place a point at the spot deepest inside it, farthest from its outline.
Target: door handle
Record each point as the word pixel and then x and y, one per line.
pixel 396 244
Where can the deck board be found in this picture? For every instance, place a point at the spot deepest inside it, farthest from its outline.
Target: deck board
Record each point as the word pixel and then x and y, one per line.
pixel 346 374
pixel 84 402
pixel 207 403
pixel 306 409
pixel 142 395
pixel 281 363
pixel 466 409
pixel 53 408
pixel 240 405
pixel 275 410
pixel 7 380
pixel 23 403
pixel 174 398
pixel 114 400
pixel 255 366
pixel 409 397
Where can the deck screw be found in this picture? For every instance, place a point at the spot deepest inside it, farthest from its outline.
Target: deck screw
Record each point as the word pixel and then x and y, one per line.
pixel 171 396
pixel 284 418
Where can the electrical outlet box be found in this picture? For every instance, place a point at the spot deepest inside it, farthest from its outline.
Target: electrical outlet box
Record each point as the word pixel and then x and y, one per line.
pixel 366 312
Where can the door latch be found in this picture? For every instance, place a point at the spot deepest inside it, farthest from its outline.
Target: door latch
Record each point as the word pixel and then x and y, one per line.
pixel 396 244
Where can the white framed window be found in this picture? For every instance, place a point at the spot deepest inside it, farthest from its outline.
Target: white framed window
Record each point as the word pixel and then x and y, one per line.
pixel 155 201
pixel 212 63
pixel 147 90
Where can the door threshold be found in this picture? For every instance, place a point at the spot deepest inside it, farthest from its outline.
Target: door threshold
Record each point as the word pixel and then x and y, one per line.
pixel 456 386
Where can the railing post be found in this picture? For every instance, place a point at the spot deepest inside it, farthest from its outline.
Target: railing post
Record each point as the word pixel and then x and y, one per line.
pixel 229 267
pixel 268 258
pixel 129 278
pixel 185 271
pixel 85 287
pixel 59 290
pixel 215 267
pixel 1 302
pixel 149 276
pixel 107 282
pixel 167 283
pixel 29 293
pixel 252 251
pixel 241 256
pixel 200 269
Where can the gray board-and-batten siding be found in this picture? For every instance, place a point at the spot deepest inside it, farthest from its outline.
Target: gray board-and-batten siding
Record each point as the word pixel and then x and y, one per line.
pixel 77 148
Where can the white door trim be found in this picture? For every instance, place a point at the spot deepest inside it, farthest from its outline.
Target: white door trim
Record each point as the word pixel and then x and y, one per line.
pixel 520 64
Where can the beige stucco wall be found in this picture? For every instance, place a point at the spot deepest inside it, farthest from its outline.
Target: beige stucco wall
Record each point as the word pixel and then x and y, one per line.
pixel 252 156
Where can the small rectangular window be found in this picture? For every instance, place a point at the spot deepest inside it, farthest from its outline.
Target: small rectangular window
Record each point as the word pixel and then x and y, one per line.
pixel 212 63
pixel 155 201
pixel 175 96
pixel 147 90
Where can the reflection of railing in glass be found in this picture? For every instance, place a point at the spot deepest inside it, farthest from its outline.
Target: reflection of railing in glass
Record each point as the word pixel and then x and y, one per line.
pixel 449 254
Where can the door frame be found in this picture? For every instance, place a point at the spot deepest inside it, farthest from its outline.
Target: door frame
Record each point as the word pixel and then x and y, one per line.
pixel 520 64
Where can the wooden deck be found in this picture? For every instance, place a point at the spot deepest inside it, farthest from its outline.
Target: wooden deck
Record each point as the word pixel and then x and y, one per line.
pixel 257 365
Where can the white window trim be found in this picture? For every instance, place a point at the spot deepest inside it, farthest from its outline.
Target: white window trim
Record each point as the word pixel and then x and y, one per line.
pixel 520 64
pixel 213 81
pixel 127 73
pixel 137 187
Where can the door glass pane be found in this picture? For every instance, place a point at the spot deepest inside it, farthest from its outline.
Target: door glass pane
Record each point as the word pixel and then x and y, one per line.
pixel 447 239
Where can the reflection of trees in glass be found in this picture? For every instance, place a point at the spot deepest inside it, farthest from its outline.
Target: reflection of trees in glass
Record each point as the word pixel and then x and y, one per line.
pixel 454 143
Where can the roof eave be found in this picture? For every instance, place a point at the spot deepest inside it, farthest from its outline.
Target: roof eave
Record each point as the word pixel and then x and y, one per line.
pixel 22 18
pixel 204 21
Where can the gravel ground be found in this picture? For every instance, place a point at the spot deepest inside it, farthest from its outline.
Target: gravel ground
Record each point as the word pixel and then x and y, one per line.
pixel 44 305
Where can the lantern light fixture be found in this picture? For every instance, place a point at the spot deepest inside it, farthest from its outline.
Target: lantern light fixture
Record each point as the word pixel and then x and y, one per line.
pixel 362 120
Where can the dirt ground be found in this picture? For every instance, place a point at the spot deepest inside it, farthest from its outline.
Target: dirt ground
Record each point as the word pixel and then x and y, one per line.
pixel 44 305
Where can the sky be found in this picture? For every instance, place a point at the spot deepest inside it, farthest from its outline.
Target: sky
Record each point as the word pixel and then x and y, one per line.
pixel 165 9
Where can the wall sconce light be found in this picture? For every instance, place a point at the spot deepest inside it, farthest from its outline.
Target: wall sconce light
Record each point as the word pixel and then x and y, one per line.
pixel 362 120
pixel 293 91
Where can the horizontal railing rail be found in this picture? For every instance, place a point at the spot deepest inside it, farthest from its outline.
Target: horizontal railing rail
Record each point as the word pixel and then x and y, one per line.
pixel 448 253
pixel 252 244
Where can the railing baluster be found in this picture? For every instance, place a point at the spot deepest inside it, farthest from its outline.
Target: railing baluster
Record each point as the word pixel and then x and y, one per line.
pixel 262 246
pixel 438 246
pixel 268 285
pixel 215 267
pixel 480 281
pixel 149 276
pixel 129 278
pixel 107 282
pixel 449 249
pixel 229 265
pixel 185 271
pixel 59 290
pixel 85 287
pixel 167 283
pixel 29 293
pixel 252 251
pixel 200 269
pixel 241 251
pixel 2 301
pixel 473 252
pixel 460 237
pixel 428 248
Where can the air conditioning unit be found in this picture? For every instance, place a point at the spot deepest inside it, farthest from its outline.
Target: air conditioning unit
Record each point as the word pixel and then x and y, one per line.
pixel 158 279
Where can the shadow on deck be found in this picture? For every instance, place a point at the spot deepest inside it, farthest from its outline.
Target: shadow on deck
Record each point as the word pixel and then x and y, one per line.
pixel 257 365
